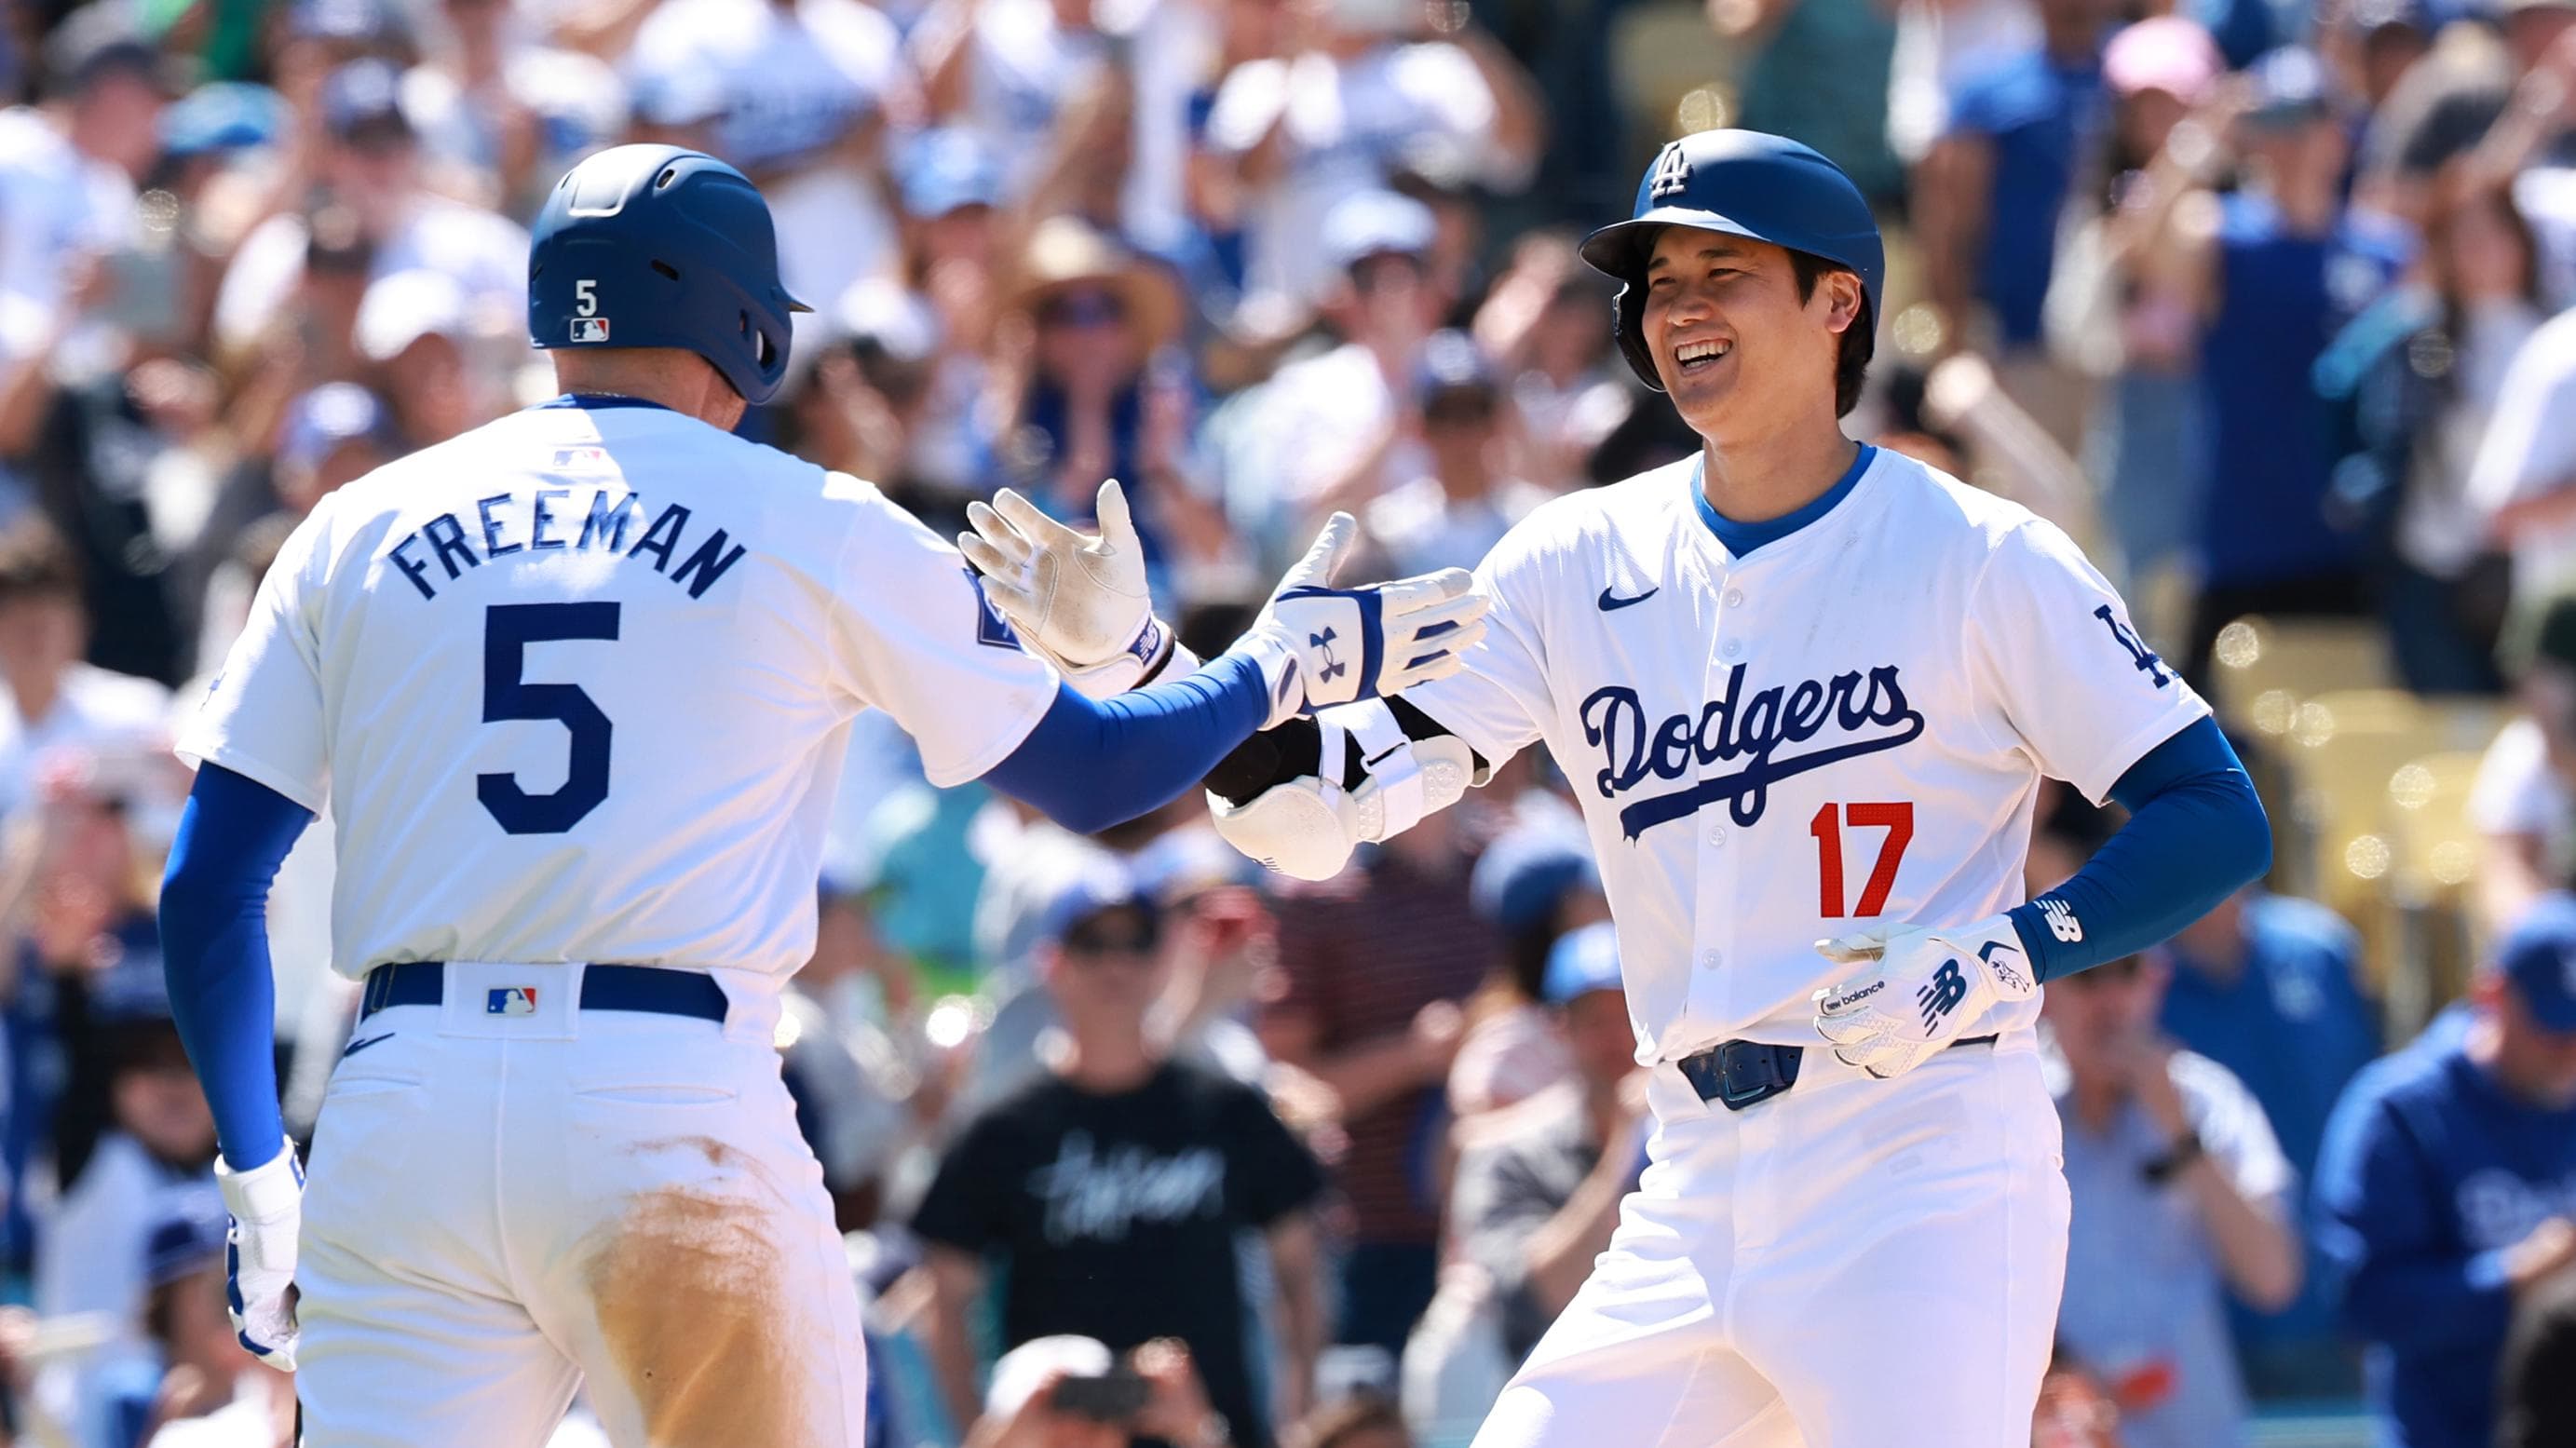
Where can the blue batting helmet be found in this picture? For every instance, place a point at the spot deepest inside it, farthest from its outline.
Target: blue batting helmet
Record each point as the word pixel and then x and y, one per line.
pixel 657 246
pixel 1744 183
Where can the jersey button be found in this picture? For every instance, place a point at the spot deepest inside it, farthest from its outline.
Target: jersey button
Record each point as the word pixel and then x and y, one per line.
pixel 1711 959
pixel 1735 598
pixel 1733 648
pixel 1717 834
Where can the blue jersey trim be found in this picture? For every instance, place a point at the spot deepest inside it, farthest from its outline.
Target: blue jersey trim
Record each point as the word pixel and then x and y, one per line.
pixel 1743 538
pixel 597 402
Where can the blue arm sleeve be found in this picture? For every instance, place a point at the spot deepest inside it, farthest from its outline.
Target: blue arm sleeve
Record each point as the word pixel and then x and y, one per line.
pixel 2196 834
pixel 233 834
pixel 1092 764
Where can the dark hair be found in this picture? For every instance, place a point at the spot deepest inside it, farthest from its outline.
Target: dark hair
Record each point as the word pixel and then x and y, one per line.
pixel 35 562
pixel 1859 340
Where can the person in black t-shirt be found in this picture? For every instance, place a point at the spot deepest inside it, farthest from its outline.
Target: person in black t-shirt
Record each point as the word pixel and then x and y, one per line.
pixel 1110 1193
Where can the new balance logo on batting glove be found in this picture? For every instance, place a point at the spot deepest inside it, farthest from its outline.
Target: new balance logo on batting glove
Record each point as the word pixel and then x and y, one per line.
pixel 266 1204
pixel 1921 991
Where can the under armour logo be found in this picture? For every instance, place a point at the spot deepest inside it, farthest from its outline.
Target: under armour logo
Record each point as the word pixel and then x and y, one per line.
pixel 2061 920
pixel 1671 175
pixel 2139 654
pixel 1333 667
pixel 1942 993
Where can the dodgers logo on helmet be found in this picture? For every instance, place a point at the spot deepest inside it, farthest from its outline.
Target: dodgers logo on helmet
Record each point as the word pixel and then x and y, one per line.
pixel 1744 183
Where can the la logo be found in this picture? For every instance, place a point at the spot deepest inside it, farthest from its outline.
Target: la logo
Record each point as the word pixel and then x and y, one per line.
pixel 1672 173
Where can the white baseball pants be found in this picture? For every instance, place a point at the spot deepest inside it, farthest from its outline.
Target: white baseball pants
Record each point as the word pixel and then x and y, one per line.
pixel 501 1208
pixel 1851 1264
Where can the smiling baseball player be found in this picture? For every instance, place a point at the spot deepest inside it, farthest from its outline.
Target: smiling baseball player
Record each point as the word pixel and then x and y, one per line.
pixel 577 686
pixel 1803 688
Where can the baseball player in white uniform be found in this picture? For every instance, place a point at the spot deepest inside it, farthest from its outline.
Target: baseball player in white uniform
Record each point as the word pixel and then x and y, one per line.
pixel 577 687
pixel 1805 691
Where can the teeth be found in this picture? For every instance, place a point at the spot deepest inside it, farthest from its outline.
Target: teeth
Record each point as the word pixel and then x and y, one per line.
pixel 1693 351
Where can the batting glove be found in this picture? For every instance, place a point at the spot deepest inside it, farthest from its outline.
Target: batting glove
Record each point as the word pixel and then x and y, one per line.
pixel 266 1204
pixel 1318 645
pixel 1923 989
pixel 1078 601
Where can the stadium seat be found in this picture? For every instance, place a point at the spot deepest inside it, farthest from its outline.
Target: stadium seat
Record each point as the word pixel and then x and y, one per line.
pixel 2266 667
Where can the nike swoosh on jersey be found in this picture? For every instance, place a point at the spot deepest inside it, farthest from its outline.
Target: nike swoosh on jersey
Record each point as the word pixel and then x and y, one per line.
pixel 1610 604
pixel 354 1047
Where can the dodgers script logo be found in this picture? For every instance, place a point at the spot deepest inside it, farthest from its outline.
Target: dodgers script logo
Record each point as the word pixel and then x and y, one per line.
pixel 1871 706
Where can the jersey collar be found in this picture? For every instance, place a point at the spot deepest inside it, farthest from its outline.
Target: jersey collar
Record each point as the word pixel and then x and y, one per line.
pixel 596 402
pixel 1740 539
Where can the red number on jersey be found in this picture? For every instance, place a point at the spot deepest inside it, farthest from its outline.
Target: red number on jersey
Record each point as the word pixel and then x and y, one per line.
pixel 1897 819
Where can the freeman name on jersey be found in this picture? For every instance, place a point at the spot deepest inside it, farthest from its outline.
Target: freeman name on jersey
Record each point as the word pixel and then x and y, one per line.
pixel 550 519
pixel 1614 721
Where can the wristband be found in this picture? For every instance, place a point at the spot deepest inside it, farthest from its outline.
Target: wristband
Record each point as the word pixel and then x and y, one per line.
pixel 2186 1149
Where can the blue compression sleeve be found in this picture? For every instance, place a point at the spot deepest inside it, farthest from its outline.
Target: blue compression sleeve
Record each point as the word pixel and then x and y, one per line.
pixel 233 834
pixel 1092 764
pixel 2196 834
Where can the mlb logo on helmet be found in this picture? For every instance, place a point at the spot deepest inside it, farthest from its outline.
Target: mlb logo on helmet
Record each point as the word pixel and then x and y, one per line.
pixel 510 1000
pixel 590 329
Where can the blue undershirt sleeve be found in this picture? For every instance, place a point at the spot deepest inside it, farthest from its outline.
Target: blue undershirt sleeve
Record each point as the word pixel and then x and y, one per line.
pixel 2196 834
pixel 233 834
pixel 1090 764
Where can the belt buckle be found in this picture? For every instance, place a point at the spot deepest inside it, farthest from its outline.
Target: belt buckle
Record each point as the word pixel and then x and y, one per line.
pixel 1738 1074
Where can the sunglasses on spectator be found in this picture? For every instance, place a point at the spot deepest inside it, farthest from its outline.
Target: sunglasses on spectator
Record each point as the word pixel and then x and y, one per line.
pixel 1090 307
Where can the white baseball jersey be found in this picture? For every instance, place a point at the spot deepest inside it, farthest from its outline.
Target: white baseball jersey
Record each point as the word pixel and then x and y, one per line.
pixel 1849 722
pixel 577 686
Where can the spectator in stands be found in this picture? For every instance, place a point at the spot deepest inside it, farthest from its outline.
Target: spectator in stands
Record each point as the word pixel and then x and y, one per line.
pixel 1108 1194
pixel 1021 1411
pixel 223 1396
pixel 1539 1184
pixel 2414 430
pixel 2180 1196
pixel 2274 270
pixel 54 699
pixel 2536 1392
pixel 2447 1185
pixel 2523 482
pixel 1373 966
pixel 1534 883
pixel 2074 1409
pixel 2259 971
pixel 1546 323
pixel 1453 514
pixel 414 334
pixel 1365 91
pixel 1987 201
pixel 513 112
pixel 2522 803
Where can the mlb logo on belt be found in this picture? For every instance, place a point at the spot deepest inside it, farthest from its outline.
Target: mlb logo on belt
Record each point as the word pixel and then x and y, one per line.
pixel 510 1000
pixel 590 329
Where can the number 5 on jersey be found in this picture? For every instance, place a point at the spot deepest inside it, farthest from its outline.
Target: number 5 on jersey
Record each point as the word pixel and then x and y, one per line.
pixel 1897 819
pixel 508 629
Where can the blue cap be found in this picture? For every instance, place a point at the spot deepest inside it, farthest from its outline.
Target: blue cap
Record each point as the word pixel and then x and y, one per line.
pixel 1184 862
pixel 1583 960
pixel 324 418
pixel 132 992
pixel 1100 885
pixel 1525 872
pixel 948 170
pixel 226 115
pixel 188 1235
pixel 2538 955
pixel 1374 223
pixel 364 98
pixel 2290 85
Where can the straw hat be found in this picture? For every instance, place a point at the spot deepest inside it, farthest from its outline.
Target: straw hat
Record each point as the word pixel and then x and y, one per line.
pixel 1066 252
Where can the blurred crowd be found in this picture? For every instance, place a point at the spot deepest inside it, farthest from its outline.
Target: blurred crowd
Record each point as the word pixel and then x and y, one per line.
pixel 2260 299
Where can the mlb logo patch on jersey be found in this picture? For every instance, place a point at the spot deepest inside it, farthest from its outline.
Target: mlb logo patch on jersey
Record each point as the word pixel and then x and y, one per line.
pixel 510 1000
pixel 581 457
pixel 590 329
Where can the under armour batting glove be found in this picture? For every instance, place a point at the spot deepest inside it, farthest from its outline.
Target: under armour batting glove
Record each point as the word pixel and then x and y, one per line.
pixel 1080 602
pixel 1923 990
pixel 266 1204
pixel 1318 645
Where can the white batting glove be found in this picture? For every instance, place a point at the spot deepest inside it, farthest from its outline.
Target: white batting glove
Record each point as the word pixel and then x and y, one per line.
pixel 1318 645
pixel 1078 601
pixel 1923 989
pixel 266 1204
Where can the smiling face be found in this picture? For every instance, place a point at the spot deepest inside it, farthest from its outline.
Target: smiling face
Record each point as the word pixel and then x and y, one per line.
pixel 1740 352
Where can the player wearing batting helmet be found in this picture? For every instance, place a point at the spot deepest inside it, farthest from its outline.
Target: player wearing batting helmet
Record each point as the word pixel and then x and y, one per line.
pixel 1806 692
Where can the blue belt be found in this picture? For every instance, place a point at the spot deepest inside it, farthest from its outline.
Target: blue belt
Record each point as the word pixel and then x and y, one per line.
pixel 647 988
pixel 1737 1074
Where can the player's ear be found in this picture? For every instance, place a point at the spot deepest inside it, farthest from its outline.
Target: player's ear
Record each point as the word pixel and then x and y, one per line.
pixel 1843 299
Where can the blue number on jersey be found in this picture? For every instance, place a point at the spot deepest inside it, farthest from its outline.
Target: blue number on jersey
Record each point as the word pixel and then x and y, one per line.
pixel 508 629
